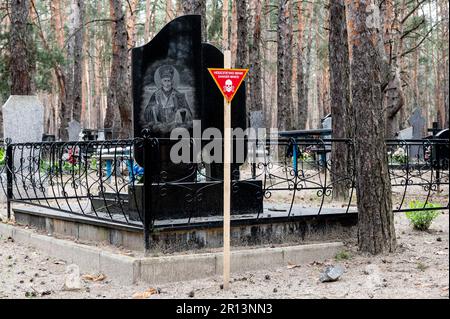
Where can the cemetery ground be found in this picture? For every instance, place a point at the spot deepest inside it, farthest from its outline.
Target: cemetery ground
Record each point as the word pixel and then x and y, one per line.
pixel 418 269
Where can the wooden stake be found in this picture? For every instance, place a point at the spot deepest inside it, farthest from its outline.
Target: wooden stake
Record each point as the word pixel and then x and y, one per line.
pixel 226 181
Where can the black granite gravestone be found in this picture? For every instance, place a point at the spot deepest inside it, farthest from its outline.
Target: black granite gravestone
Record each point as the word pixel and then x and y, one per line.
pixel 442 154
pixel 167 78
pixel 166 88
pixel 172 88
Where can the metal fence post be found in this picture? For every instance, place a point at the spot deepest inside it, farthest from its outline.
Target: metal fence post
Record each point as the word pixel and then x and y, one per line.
pixel 254 148
pixel 147 192
pixel 436 156
pixel 9 176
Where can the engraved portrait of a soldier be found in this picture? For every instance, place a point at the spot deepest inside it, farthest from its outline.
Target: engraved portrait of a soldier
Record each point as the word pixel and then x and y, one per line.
pixel 167 107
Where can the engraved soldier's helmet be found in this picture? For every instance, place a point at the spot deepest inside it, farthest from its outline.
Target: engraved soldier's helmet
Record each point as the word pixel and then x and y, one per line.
pixel 166 71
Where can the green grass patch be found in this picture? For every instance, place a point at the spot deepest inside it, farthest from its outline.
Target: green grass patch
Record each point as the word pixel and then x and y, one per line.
pixel 343 255
pixel 422 266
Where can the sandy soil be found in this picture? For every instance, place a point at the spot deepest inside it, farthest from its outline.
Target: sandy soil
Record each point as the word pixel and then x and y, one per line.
pixel 419 269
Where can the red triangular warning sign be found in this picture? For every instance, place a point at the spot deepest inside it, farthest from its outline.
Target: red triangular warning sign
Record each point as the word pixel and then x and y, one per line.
pixel 228 80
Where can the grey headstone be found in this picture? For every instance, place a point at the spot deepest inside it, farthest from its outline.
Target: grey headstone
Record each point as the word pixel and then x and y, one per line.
pixel 23 119
pixel 326 123
pixel 74 130
pixel 417 122
pixel 405 134
pixel 101 135
pixel 256 150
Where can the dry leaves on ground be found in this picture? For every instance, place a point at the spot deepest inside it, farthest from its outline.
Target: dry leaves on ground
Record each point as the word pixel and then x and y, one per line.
pixel 98 277
pixel 291 265
pixel 145 294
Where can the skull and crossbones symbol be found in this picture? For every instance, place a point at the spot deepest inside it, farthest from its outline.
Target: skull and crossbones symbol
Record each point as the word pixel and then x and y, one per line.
pixel 228 86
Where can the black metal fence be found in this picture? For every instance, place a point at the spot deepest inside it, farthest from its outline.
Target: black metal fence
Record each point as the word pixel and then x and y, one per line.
pixel 103 180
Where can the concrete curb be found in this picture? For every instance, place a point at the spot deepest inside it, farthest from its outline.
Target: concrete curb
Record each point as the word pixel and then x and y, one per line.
pixel 159 270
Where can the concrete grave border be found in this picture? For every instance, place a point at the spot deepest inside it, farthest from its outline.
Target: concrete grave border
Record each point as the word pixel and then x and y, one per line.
pixel 159 270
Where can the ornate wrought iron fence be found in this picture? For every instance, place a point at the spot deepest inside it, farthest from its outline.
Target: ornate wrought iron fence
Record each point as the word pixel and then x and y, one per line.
pixel 103 180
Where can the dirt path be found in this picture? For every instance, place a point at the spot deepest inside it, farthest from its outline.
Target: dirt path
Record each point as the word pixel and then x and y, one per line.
pixel 419 269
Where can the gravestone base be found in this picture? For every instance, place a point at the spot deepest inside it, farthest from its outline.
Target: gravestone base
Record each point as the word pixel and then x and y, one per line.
pixel 197 199
pixel 168 237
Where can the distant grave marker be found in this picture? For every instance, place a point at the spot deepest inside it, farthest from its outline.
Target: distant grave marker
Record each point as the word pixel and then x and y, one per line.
pixel 405 134
pixel 74 130
pixel 23 119
pixel 417 122
pixel 23 122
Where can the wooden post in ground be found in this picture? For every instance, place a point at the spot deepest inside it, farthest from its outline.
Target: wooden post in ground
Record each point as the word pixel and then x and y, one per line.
pixel 226 181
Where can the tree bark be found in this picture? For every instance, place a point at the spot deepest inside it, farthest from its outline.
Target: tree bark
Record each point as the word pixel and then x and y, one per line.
pixel 444 39
pixel 57 18
pixel 131 18
pixel 302 110
pixel 242 34
pixel 74 68
pixel 196 7
pixel 78 54
pixel 225 26
pixel 147 23
pixel 234 34
pixel 21 50
pixel 376 233
pixel 312 22
pixel 169 14
pixel 440 54
pixel 57 22
pixel 118 90
pixel 394 98
pixel 394 101
pixel 284 73
pixel 341 109
pixel 256 98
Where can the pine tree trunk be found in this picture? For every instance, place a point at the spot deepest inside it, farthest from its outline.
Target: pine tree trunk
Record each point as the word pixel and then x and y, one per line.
pixel 77 80
pixel 444 39
pixel 289 63
pixel 256 99
pixel 147 23
pixel 168 12
pixel 21 49
pixel 439 79
pixel 131 18
pixel 376 233
pixel 57 18
pixel 225 26
pixel 67 112
pixel 196 7
pixel 341 111
pixel 394 98
pixel 179 8
pixel 234 34
pixel 302 110
pixel 242 34
pixel 118 90
pixel 312 22
pixel 284 73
